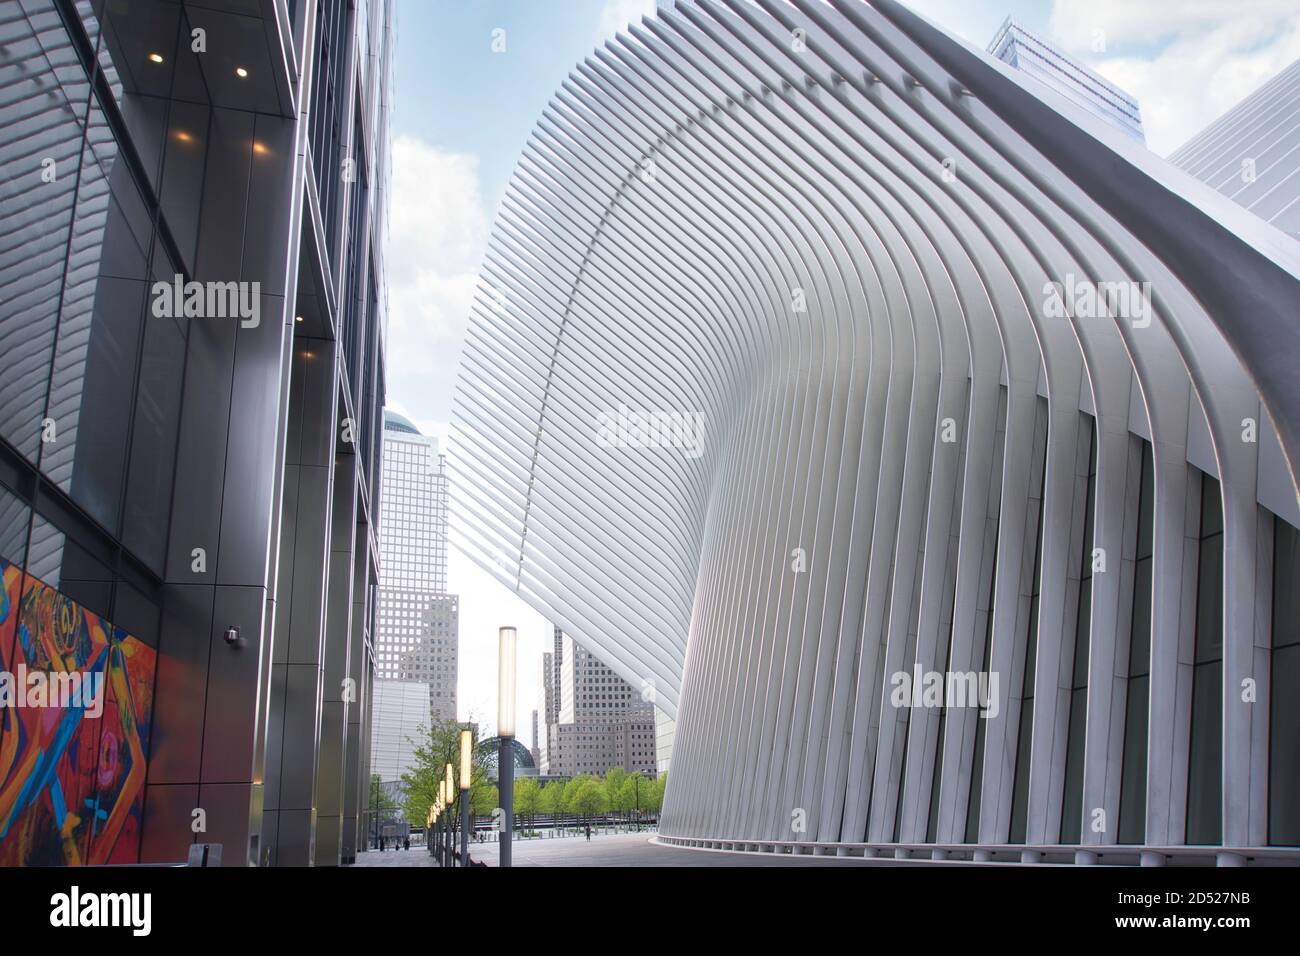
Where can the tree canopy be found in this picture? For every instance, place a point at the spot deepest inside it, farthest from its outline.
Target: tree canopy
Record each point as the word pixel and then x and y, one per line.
pixel 437 745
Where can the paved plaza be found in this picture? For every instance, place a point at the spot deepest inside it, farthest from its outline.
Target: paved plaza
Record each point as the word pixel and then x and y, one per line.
pixel 620 849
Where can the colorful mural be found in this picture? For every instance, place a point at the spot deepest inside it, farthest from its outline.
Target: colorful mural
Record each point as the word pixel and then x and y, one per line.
pixel 71 781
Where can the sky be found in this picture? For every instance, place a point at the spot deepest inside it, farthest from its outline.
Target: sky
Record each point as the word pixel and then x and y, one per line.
pixel 462 113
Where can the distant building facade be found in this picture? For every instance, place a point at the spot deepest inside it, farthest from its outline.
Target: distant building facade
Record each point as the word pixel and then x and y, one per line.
pixel 595 720
pixel 1249 153
pixel 418 623
pixel 1017 47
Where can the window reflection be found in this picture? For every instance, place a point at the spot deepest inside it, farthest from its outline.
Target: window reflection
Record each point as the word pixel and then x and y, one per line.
pixel 43 100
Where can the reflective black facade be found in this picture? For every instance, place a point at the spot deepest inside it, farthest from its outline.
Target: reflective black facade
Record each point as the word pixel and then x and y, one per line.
pixel 187 466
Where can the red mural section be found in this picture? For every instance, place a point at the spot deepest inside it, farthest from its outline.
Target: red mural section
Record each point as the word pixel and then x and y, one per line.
pixel 72 770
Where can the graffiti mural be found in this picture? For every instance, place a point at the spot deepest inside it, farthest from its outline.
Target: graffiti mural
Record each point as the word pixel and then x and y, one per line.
pixel 72 767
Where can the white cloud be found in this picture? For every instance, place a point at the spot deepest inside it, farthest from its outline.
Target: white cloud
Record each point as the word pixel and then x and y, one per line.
pixel 437 235
pixel 1187 63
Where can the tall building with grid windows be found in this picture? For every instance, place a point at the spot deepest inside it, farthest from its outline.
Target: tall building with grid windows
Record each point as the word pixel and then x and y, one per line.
pixel 1047 63
pixel 417 621
pixel 595 719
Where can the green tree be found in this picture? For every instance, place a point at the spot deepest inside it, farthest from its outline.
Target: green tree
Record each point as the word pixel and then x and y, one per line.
pixel 613 783
pixel 629 795
pixel 589 798
pixel 484 800
pixel 571 788
pixel 528 795
pixel 652 794
pixel 551 800
pixel 437 745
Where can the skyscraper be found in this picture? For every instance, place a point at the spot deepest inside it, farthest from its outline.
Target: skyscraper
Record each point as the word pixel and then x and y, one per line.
pixel 1047 63
pixel 1248 153
pixel 192 301
pixel 416 633
pixel 595 719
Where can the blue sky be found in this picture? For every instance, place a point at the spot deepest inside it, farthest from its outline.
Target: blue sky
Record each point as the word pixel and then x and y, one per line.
pixel 462 113
pixel 454 92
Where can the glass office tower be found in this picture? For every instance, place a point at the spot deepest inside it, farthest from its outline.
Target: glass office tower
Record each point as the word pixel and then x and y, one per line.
pixel 1048 64
pixel 1248 153
pixel 191 367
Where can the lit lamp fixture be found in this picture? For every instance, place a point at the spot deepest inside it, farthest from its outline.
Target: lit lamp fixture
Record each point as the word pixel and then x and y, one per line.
pixel 241 73
pixel 506 684
pixel 466 772
pixel 444 798
pixel 506 731
pixel 449 786
pixel 466 749
pixel 155 57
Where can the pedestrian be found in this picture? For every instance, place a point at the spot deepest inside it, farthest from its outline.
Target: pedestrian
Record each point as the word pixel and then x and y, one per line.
pixel 407 843
pixel 588 832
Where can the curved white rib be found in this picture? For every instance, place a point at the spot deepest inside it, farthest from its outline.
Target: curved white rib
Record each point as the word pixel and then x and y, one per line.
pixel 833 246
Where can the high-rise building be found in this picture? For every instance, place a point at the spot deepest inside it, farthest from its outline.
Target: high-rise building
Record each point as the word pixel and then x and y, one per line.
pixel 413 515
pixel 1083 86
pixel 192 301
pixel 595 719
pixel 417 630
pixel 1248 153
pixel 965 511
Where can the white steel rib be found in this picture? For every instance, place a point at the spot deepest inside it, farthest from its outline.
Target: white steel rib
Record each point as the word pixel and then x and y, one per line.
pixel 828 232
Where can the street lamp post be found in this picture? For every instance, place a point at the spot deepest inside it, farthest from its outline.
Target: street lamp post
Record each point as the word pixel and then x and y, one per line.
pixel 466 768
pixel 450 787
pixel 442 824
pixel 506 731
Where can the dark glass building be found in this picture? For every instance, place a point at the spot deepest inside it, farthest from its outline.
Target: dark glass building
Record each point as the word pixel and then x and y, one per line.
pixel 192 295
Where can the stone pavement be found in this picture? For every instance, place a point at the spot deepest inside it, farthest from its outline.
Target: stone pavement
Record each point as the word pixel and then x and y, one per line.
pixel 622 849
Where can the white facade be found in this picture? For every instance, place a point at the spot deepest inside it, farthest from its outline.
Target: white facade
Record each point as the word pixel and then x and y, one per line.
pixel 401 708
pixel 961 380
pixel 1249 153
